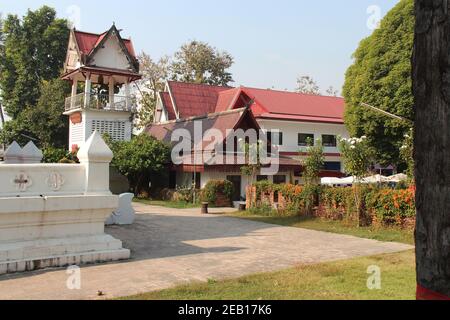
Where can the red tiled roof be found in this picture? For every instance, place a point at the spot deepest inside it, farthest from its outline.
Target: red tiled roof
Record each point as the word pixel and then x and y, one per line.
pixel 195 99
pixel 220 121
pixel 167 102
pixel 226 98
pixel 284 105
pixel 88 41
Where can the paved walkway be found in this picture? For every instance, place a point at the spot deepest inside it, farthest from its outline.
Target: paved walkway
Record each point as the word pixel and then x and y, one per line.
pixel 171 247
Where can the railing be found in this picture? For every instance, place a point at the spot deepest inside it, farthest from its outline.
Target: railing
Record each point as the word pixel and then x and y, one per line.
pixel 99 102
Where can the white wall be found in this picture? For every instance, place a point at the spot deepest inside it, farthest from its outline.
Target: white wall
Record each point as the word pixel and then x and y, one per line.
pixel 291 130
pixel 111 56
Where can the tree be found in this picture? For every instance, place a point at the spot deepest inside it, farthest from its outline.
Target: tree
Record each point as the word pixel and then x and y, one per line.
pixel 431 69
pixel 198 62
pixel 381 76
pixel 44 123
pixel 407 153
pixel 313 163
pixel 253 165
pixel 34 51
pixel 154 77
pixel 358 157
pixel 332 92
pixel 307 85
pixel 139 158
pixel 312 166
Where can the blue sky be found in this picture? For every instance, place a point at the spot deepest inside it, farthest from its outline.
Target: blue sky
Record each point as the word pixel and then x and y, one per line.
pixel 272 41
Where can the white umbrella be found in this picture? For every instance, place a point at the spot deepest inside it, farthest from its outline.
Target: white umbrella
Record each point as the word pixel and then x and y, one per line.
pixel 397 178
pixel 331 181
pixel 378 178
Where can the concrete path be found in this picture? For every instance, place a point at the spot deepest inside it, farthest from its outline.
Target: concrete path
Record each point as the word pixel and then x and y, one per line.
pixel 171 247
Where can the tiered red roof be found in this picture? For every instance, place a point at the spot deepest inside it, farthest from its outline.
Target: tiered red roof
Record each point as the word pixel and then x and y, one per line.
pixel 197 99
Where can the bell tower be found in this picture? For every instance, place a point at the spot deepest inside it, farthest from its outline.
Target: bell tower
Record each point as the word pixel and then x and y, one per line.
pixel 101 68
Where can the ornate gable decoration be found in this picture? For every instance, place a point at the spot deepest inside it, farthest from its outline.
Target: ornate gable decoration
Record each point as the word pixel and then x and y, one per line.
pixel 100 50
pixel 110 40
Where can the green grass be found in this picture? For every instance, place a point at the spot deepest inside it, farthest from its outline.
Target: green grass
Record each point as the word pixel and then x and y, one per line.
pixel 388 234
pixel 167 204
pixel 342 280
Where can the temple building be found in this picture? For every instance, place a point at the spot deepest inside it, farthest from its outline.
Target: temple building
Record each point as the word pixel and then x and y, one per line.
pixel 101 68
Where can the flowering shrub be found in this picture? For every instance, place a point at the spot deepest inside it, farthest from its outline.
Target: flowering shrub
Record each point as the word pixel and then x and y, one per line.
pixel 393 206
pixel 214 188
pixel 372 204
pixel 387 206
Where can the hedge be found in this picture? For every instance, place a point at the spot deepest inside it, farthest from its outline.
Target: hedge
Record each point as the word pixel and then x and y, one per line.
pixel 377 204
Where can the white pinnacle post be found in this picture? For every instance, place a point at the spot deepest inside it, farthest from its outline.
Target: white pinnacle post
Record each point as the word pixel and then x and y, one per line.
pixel 31 154
pixel 13 154
pixel 96 156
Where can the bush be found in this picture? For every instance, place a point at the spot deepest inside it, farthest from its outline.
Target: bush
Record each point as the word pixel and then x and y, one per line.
pixel 139 159
pixel 387 206
pixel 59 155
pixel 217 187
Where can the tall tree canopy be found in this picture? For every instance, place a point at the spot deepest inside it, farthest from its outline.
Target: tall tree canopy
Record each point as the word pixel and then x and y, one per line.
pixel 154 76
pixel 34 50
pixel 195 62
pixel 381 76
pixel 201 63
pixel 307 85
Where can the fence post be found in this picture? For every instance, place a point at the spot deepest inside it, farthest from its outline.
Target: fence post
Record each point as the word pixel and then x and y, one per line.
pixel 31 154
pixel 13 154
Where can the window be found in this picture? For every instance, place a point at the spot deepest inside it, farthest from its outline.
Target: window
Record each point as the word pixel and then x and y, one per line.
pixel 329 140
pixel 115 129
pixel 262 178
pixel 280 179
pixel 304 138
pixel 332 166
pixel 276 137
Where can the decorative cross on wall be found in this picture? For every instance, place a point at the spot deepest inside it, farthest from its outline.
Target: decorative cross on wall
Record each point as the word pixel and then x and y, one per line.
pixel 55 181
pixel 22 182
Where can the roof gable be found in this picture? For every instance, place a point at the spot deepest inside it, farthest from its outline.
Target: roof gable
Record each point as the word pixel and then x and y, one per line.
pixel 223 121
pixel 90 45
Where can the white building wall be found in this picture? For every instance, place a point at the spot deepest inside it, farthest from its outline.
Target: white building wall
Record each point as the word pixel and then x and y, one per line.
pixel 111 56
pixel 291 130
pixel 108 117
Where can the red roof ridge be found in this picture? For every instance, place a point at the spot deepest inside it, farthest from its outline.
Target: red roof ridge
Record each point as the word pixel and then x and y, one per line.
pixel 303 115
pixel 97 34
pixel 200 84
pixel 293 92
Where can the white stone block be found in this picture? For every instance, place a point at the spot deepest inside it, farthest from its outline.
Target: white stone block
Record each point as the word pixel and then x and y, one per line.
pixel 125 214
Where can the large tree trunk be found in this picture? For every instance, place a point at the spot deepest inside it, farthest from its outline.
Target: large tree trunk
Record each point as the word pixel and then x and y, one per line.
pixel 431 82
